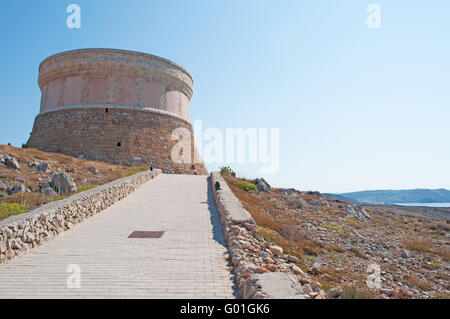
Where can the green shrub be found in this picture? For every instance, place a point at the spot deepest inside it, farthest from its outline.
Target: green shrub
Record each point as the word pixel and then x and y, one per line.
pixel 247 187
pixel 332 227
pixel 11 209
pixel 227 171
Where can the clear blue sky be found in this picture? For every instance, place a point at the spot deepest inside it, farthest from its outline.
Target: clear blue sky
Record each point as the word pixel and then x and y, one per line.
pixel 357 108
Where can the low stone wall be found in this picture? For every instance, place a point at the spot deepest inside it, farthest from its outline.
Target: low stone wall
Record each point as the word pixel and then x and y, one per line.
pixel 262 269
pixel 21 233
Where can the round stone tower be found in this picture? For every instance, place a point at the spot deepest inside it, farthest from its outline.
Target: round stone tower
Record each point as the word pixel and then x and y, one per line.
pixel 116 106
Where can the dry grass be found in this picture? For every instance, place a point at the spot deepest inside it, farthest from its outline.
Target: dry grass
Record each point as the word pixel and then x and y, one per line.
pixel 342 243
pixel 87 174
pixel 419 283
pixel 419 245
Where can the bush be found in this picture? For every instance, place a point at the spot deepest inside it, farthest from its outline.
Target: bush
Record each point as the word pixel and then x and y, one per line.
pixel 11 209
pixel 247 187
pixel 227 171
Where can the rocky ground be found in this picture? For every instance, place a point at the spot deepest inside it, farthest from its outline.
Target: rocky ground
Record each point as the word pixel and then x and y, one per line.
pixel 336 242
pixel 30 178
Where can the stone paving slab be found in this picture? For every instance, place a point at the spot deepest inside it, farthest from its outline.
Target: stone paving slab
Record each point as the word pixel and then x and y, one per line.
pixel 189 261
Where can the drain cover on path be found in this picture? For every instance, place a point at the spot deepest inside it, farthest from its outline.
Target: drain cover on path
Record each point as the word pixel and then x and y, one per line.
pixel 146 234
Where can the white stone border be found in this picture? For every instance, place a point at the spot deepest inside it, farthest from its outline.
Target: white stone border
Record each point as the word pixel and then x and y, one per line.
pixel 20 233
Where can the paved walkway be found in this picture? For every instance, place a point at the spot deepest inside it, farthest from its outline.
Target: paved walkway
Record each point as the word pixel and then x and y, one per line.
pixel 187 262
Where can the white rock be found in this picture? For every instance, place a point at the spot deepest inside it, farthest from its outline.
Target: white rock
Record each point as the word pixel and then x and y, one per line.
pixel 276 250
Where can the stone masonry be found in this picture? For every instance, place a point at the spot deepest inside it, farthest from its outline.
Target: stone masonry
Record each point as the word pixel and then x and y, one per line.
pixel 117 106
pixel 21 233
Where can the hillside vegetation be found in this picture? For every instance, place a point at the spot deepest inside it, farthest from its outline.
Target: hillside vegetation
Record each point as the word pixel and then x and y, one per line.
pixel 336 242
pixel 21 187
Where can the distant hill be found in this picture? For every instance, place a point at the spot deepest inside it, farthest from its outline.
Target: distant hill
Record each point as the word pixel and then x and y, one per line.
pixel 400 196
pixel 341 198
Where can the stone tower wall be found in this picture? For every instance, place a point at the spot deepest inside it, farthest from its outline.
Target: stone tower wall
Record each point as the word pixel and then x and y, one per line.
pixel 114 106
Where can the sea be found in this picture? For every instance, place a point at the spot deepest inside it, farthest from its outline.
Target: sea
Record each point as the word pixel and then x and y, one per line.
pixel 423 204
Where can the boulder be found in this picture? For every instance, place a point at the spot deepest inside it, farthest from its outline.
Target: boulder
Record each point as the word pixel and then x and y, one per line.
pixel 63 183
pixel 19 180
pixel 307 288
pixel 316 267
pixel 17 189
pixel 276 250
pixel 48 191
pixel 12 162
pixel 359 212
pixel 307 225
pixel 334 293
pixel 262 185
pixel 44 167
pixel 3 187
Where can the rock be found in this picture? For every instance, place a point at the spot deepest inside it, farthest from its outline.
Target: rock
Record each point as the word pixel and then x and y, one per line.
pixel 63 183
pixel 262 185
pixel 29 237
pixel 3 187
pixel 297 270
pixel 351 212
pixel 44 167
pixel 19 180
pixel 292 259
pixel 276 250
pixel 334 293
pixel 48 191
pixel 12 162
pixel 15 244
pixel 316 267
pixel 274 285
pixel 406 254
pixel 308 225
pixel 307 289
pixel 321 295
pixel 315 203
pixel 363 212
pixel 71 170
pixel 359 212
pixel 92 169
pixel 17 189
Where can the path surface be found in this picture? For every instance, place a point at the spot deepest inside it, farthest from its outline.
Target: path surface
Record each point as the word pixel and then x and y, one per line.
pixel 187 262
